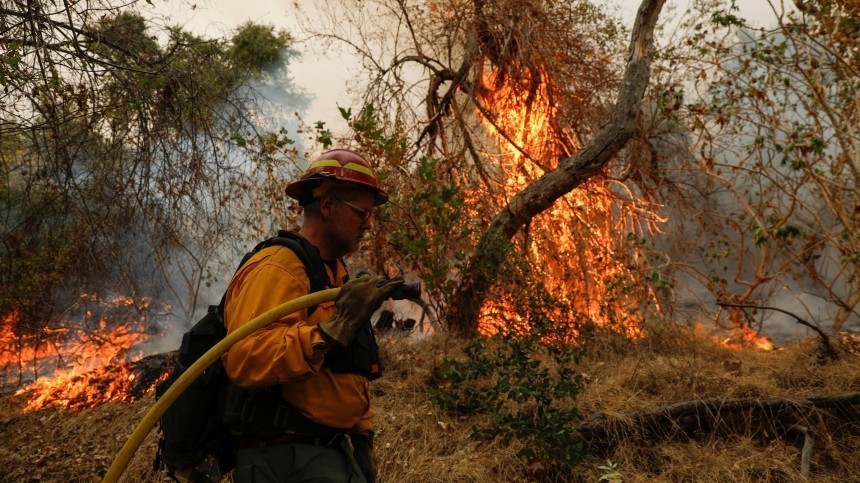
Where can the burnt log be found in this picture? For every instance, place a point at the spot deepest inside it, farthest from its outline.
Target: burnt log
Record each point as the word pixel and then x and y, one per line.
pixel 149 371
pixel 760 418
pixel 385 322
pixel 388 321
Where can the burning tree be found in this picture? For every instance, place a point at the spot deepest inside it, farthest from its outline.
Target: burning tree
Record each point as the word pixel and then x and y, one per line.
pixel 516 99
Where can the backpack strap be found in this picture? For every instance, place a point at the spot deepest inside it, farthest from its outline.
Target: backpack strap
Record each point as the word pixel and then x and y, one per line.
pixel 308 254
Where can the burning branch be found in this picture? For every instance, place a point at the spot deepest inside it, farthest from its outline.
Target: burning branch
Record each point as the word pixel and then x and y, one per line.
pixel 571 172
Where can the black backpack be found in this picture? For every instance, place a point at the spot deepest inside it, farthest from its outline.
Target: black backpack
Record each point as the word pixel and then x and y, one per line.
pixel 195 439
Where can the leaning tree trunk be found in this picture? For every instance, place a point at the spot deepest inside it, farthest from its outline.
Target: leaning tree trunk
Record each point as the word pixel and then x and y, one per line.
pixel 571 172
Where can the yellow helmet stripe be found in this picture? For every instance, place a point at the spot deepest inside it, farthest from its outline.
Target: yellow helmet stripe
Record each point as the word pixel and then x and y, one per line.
pixel 333 163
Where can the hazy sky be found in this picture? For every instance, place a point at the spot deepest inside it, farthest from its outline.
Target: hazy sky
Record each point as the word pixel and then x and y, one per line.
pixel 324 77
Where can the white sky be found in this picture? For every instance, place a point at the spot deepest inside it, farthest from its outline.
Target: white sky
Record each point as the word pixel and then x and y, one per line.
pixel 325 77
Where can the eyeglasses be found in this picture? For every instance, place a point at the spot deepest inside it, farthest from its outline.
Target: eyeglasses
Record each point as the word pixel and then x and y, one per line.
pixel 365 215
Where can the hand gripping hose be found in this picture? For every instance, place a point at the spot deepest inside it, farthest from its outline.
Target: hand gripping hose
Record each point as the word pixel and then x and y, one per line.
pixel 158 409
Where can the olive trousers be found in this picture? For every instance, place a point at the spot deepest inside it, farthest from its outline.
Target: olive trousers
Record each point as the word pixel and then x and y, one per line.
pixel 346 459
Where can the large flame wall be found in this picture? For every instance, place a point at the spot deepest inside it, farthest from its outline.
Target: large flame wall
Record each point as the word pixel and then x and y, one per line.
pixel 584 245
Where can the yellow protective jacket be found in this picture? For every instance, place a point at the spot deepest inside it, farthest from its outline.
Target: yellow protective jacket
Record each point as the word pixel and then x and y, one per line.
pixel 290 351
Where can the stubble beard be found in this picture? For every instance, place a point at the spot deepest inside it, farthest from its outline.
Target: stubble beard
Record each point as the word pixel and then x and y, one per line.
pixel 356 242
pixel 346 246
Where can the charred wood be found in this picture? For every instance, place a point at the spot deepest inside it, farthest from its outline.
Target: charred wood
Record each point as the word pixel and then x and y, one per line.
pixel 759 418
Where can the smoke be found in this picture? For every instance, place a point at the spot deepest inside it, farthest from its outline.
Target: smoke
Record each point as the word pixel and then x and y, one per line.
pixel 194 274
pixel 280 100
pixel 759 192
pixel 723 251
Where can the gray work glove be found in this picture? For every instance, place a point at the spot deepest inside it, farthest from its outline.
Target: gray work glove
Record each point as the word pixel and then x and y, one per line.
pixel 356 302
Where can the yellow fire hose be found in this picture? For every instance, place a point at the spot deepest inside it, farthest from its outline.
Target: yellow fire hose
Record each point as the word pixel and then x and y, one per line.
pixel 158 409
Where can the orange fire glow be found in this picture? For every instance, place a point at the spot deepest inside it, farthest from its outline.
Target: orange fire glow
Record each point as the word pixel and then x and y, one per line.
pixel 743 337
pixel 82 363
pixel 582 243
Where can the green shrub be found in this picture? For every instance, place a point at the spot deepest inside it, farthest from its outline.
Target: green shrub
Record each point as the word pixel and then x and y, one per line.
pixel 523 384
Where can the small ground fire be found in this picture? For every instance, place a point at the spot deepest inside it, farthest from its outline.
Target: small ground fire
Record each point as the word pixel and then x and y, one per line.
pixel 79 361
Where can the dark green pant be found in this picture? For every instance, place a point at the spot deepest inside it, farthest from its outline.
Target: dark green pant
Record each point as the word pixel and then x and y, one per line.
pixel 296 462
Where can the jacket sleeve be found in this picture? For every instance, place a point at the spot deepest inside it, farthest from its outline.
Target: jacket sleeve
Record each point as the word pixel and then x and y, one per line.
pixel 286 350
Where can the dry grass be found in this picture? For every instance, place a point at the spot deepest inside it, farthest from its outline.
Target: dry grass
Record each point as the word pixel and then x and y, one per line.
pixel 418 442
pixel 70 446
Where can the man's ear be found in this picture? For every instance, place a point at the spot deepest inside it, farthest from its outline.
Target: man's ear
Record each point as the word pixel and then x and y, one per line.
pixel 327 203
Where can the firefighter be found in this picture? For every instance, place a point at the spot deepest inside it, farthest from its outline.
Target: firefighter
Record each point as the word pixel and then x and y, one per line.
pixel 319 361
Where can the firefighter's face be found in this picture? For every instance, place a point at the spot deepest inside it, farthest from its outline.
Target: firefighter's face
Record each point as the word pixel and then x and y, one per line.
pixel 351 217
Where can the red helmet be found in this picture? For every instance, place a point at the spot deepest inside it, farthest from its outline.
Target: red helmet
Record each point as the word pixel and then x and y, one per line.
pixel 340 165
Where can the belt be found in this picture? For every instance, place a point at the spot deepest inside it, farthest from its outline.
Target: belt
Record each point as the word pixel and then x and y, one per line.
pixel 246 442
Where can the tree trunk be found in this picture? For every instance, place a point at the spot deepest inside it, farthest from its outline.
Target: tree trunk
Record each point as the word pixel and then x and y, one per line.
pixel 571 172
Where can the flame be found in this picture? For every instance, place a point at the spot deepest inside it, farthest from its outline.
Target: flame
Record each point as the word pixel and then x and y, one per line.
pixel 581 242
pixel 83 362
pixel 743 336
